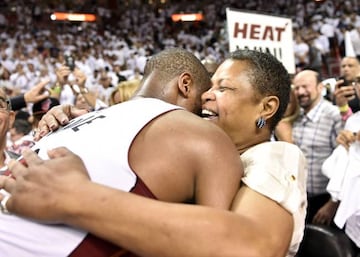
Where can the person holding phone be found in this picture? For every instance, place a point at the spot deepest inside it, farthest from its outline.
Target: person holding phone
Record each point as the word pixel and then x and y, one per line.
pixel 345 96
pixel 70 81
pixel 70 62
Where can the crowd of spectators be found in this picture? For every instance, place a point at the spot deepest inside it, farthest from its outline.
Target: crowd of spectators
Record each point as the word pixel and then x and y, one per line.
pixel 109 54
pixel 32 46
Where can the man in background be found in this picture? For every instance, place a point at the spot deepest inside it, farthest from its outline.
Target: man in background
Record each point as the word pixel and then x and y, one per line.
pixel 315 132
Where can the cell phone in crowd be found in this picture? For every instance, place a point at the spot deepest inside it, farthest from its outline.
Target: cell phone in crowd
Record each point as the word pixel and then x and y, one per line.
pixel 70 62
pixel 345 83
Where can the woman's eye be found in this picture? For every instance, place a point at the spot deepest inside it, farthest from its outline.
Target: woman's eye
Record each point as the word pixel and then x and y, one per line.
pixel 222 88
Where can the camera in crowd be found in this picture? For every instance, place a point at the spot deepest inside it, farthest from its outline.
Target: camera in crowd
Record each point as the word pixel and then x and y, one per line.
pixel 353 98
pixel 70 62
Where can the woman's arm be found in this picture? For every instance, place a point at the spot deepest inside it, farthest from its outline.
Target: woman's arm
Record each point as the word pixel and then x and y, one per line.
pixel 147 227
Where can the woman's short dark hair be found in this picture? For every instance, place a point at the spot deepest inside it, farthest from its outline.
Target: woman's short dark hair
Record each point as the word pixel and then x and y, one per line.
pixel 268 76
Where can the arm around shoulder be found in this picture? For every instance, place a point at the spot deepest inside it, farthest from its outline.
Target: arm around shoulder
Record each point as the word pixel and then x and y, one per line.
pixel 174 229
pixel 219 168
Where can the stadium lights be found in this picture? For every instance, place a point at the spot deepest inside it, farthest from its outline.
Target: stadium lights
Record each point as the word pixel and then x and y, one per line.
pixel 62 16
pixel 187 17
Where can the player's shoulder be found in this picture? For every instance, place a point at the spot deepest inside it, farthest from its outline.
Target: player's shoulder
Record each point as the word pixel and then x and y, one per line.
pixel 182 120
pixel 187 129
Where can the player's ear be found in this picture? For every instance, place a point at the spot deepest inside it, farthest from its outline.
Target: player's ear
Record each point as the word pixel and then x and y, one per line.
pixel 185 82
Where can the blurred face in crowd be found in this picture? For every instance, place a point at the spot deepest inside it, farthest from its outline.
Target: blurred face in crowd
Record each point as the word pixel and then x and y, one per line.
pixel 14 135
pixel 349 68
pixel 6 117
pixel 307 89
pixel 105 80
pixel 81 103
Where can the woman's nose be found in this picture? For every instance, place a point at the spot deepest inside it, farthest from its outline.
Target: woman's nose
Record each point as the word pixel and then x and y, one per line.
pixel 207 96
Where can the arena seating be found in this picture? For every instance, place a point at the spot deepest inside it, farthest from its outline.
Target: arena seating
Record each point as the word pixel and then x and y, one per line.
pixel 324 241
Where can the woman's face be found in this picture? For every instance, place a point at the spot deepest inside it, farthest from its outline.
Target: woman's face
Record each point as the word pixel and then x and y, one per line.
pixel 117 97
pixel 81 103
pixel 232 104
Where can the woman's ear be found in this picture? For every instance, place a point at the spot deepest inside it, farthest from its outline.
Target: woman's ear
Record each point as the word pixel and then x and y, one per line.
pixel 270 106
pixel 185 84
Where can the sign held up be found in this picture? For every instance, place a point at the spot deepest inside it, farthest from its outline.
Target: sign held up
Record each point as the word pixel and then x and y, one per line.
pixel 264 33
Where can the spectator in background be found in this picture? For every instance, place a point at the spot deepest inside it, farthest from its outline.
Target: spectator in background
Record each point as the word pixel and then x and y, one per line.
pixel 137 75
pixel 342 168
pixel 342 28
pixel 301 51
pixel 20 136
pixel 328 29
pixel 354 33
pixel 35 94
pixel 315 132
pixel 5 80
pixel 19 79
pixel 40 108
pixel 81 103
pixel 68 81
pixel 3 21
pixel 117 70
pixel 22 114
pixel 314 54
pixel 7 117
pixel 345 95
pixel 124 91
pixel 322 43
pixel 85 99
pixel 98 45
pixel 106 86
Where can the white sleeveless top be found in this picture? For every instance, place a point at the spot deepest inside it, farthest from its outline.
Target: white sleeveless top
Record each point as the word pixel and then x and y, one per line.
pixel 102 139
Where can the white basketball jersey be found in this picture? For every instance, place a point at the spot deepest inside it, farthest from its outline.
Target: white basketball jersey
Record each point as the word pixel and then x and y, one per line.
pixel 102 139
